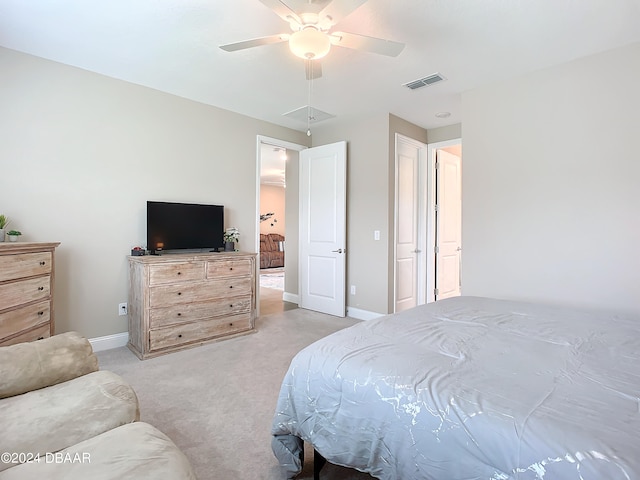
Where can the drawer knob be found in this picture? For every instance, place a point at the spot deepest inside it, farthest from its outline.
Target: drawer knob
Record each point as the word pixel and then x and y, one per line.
pixel 40 313
pixel 179 293
pixel 231 306
pixel 179 314
pixel 231 324
pixel 230 286
pixel 179 273
pixel 230 268
pixel 40 338
pixel 40 288
pixel 180 336
pixel 43 263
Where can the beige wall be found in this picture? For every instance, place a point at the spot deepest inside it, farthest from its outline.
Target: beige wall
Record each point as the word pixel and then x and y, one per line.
pixel 272 200
pixel 367 205
pixel 80 155
pixel 370 193
pixel 442 134
pixel 551 190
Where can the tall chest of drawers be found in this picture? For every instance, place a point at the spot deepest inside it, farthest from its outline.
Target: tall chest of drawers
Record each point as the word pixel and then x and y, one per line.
pixel 26 291
pixel 178 301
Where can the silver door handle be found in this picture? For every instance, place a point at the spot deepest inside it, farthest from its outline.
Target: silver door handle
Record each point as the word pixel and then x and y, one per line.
pixel 417 251
pixel 458 249
pixel 337 251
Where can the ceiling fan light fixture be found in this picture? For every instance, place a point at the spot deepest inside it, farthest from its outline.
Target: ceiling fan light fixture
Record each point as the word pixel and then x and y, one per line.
pixel 309 43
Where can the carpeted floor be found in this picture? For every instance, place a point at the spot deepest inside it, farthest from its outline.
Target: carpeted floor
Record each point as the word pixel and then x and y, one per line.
pixel 216 402
pixel 273 280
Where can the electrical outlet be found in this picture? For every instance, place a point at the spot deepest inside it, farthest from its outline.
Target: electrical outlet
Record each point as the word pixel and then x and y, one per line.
pixel 122 309
pixel 353 289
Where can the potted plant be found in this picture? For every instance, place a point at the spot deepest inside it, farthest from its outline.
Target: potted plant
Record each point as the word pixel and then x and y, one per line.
pixel 13 235
pixel 4 221
pixel 231 236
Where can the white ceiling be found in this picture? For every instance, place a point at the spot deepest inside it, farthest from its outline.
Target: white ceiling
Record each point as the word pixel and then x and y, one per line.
pixel 172 46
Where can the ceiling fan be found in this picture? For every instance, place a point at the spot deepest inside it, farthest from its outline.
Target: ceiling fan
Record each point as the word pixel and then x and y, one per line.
pixel 312 36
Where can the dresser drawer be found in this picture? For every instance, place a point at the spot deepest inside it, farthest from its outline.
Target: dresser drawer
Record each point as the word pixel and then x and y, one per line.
pixel 168 295
pixel 25 265
pixel 229 268
pixel 38 333
pixel 24 318
pixel 176 272
pixel 188 312
pixel 24 291
pixel 197 331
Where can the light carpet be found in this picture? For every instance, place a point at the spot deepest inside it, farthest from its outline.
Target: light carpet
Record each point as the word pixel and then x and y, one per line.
pixel 272 280
pixel 217 401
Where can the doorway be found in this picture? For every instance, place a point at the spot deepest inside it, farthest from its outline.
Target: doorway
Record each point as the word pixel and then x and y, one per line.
pixel 448 221
pixel 427 221
pixel 444 213
pixel 276 225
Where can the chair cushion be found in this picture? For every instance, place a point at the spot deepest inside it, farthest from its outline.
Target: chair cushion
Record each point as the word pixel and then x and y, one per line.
pixel 53 418
pixel 136 450
pixel 29 366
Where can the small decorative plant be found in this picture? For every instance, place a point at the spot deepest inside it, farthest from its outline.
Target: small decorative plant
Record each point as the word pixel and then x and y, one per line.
pixel 4 221
pixel 231 234
pixel 13 235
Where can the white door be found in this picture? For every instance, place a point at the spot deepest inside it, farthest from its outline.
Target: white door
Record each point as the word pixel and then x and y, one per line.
pixel 323 173
pixel 448 224
pixel 408 254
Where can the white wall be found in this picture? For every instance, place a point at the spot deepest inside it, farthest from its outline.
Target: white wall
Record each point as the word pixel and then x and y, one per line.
pixel 81 153
pixel 551 185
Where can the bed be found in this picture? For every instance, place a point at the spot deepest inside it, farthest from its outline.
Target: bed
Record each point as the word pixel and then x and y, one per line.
pixel 469 388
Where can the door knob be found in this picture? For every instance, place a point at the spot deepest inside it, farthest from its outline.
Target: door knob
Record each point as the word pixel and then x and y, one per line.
pixel 458 249
pixel 337 251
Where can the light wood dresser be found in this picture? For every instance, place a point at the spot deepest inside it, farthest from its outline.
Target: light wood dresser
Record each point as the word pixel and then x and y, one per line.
pixel 178 301
pixel 26 291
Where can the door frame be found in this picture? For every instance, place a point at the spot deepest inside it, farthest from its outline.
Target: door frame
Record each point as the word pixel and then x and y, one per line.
pixel 430 246
pixel 275 142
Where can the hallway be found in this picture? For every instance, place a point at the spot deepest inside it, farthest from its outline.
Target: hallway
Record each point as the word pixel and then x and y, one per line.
pixel 271 290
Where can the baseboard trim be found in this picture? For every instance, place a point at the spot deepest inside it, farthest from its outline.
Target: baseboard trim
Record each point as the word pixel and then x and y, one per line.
pixel 362 314
pixel 290 297
pixel 109 341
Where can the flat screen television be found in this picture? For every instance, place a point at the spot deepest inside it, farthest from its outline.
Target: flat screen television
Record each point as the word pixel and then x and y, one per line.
pixel 184 226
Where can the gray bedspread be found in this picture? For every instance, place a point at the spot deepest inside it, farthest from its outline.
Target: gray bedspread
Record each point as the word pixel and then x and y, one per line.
pixel 469 388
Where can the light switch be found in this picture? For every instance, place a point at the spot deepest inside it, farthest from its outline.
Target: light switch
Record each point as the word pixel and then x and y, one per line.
pixel 376 234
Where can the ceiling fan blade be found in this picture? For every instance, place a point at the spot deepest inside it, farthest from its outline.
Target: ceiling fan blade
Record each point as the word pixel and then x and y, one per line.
pixel 336 11
pixel 312 69
pixel 367 44
pixel 283 11
pixel 255 42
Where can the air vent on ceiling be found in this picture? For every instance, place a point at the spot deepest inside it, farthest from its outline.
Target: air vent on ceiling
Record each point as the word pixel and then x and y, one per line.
pixel 307 113
pixel 423 82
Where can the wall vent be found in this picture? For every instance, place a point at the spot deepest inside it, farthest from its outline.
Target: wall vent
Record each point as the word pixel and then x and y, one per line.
pixel 423 82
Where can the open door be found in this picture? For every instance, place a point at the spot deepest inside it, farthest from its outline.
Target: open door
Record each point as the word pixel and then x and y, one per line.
pixel 323 172
pixel 448 224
